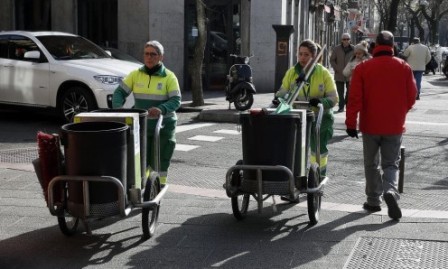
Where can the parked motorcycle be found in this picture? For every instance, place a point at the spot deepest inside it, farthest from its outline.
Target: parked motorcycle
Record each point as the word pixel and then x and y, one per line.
pixel 239 85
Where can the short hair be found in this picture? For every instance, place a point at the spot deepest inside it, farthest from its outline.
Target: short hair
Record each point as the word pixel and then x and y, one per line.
pixel 156 45
pixel 346 35
pixel 416 40
pixel 385 38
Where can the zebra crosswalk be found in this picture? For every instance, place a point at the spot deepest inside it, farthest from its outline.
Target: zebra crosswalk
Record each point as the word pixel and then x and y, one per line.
pixel 214 137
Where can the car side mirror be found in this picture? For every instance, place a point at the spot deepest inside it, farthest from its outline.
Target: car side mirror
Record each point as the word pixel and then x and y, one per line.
pixel 34 54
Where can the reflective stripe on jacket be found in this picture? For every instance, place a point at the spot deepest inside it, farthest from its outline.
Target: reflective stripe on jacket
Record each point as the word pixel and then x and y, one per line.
pixel 159 90
pixel 321 85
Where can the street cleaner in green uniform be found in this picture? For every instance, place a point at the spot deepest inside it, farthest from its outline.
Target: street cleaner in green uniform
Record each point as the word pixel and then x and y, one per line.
pixel 319 88
pixel 156 89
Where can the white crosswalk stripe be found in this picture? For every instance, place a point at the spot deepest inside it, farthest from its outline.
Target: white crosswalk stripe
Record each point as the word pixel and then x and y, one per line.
pixel 183 147
pixel 188 127
pixel 206 138
pixel 231 132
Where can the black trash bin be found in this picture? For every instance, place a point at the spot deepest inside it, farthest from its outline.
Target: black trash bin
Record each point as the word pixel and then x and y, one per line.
pixel 142 120
pixel 274 139
pixel 95 149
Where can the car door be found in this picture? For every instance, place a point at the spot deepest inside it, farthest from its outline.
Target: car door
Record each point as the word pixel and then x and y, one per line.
pixel 27 80
pixel 5 66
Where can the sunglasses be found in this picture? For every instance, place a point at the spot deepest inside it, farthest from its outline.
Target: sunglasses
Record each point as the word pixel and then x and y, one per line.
pixel 345 39
pixel 151 54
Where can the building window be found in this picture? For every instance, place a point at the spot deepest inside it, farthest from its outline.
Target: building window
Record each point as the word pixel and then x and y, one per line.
pixel 97 21
pixel 33 15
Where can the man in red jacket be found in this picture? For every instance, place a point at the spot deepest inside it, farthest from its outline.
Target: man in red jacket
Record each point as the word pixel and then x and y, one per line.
pixel 382 91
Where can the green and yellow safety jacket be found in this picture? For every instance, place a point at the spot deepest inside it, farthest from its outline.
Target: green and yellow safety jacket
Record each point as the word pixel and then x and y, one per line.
pixel 320 85
pixel 160 90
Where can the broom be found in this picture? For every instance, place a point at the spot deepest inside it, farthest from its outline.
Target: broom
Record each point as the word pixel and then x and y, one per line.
pixel 49 163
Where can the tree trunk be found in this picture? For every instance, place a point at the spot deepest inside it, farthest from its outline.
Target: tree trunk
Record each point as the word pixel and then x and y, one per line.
pixel 198 57
pixel 392 23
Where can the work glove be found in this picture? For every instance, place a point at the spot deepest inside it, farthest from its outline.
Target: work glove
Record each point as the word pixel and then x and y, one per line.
pixel 300 78
pixel 314 101
pixel 352 133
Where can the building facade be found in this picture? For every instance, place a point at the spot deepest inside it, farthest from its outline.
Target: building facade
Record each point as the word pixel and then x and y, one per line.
pixel 233 26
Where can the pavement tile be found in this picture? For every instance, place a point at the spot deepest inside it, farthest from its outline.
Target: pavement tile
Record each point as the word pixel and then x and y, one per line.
pixel 197 228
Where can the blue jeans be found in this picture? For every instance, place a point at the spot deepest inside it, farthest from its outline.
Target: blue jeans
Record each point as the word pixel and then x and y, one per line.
pixel 377 184
pixel 418 80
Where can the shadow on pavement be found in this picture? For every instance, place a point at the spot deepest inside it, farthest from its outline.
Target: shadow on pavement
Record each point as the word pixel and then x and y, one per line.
pixel 259 241
pixel 267 240
pixel 20 126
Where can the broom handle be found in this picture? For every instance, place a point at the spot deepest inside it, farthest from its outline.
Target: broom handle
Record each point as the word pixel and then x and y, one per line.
pixel 309 68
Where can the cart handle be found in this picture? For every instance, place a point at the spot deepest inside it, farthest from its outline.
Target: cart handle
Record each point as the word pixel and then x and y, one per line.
pixel 317 137
pixel 157 142
pixel 84 179
pixel 260 168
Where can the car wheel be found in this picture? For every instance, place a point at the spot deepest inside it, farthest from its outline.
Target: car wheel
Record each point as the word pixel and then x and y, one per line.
pixel 75 100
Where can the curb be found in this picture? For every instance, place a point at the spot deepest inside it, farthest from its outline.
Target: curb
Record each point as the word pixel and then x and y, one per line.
pixel 219 115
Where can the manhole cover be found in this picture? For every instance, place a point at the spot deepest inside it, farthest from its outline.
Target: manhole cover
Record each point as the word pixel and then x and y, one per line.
pixel 373 252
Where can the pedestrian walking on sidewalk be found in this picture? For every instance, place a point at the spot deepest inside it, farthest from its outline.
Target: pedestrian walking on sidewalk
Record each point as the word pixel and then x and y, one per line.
pixel 417 55
pixel 361 54
pixel 382 92
pixel 156 89
pixel 320 88
pixel 339 58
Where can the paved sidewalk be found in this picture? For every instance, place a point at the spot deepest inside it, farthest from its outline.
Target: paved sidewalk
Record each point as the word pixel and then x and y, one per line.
pixel 197 228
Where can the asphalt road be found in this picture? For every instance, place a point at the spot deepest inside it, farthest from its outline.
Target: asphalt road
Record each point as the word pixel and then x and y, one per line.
pixel 196 226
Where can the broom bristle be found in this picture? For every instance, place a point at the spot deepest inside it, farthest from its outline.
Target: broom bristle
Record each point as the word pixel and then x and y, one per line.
pixel 49 156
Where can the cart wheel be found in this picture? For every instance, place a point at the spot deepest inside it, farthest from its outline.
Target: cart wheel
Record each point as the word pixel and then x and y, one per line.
pixel 235 182
pixel 68 224
pixel 313 199
pixel 149 221
pixel 240 204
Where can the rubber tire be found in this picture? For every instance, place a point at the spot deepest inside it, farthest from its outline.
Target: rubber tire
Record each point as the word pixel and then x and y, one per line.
pixel 149 221
pixel 243 100
pixel 75 100
pixel 313 199
pixel 240 204
pixel 68 228
pixel 236 178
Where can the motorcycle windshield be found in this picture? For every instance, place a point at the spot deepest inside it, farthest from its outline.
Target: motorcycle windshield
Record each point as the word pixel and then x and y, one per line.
pixel 244 71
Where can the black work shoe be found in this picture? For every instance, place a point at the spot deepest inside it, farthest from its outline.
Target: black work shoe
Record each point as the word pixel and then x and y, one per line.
pixel 394 210
pixel 371 208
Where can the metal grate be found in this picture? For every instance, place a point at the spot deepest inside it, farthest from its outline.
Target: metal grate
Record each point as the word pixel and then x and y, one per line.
pixel 373 252
pixel 23 155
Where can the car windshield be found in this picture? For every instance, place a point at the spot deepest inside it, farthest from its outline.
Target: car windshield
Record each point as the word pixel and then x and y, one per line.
pixel 72 47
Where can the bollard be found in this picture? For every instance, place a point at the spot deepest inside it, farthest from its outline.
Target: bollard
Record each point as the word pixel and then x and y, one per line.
pixel 401 174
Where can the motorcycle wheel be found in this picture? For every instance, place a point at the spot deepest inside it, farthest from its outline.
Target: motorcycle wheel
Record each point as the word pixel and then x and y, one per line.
pixel 243 100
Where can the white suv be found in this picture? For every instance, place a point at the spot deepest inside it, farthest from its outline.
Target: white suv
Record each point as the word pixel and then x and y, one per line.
pixel 57 70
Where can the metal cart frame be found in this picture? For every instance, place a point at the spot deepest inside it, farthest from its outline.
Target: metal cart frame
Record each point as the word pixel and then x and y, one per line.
pixel 261 190
pixel 148 202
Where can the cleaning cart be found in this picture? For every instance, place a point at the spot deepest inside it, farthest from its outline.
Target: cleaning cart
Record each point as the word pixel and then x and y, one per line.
pixel 276 149
pixel 275 161
pixel 103 171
